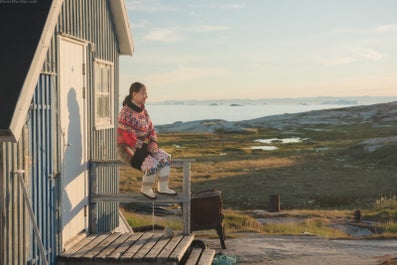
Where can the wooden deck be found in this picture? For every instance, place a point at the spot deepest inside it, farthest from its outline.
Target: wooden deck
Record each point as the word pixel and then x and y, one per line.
pixel 136 248
pixel 132 248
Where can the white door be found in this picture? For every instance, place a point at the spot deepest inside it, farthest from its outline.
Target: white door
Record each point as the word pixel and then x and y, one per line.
pixel 73 138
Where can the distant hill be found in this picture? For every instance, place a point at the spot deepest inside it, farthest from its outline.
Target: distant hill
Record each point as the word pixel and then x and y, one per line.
pixel 376 113
pixel 362 100
pixel 340 102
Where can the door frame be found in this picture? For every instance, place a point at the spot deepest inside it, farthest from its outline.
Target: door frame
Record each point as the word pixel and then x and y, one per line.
pixel 84 115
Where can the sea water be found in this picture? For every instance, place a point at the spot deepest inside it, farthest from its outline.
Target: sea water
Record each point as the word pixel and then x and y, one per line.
pixel 168 113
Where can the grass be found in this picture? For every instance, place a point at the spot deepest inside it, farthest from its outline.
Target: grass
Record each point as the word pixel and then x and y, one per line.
pixel 310 226
pixel 387 260
pixel 298 222
pixel 138 220
pixel 236 221
pixel 239 222
pixel 244 222
pixel 329 172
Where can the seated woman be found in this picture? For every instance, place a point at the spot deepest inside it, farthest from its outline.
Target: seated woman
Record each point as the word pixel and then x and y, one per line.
pixel 137 143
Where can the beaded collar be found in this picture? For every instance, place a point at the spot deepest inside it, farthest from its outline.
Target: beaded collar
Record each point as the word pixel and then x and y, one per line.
pixel 135 107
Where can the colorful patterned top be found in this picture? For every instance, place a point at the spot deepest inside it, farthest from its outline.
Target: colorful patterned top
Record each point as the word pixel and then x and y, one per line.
pixel 135 127
pixel 134 130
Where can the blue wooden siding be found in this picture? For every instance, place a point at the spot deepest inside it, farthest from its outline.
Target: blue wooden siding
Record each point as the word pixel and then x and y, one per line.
pixel 42 174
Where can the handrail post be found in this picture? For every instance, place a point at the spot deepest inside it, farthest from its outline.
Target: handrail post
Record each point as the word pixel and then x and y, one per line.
pixel 92 215
pixel 187 191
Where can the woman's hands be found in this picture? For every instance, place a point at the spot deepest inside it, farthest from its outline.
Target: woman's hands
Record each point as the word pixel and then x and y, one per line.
pixel 153 147
pixel 130 151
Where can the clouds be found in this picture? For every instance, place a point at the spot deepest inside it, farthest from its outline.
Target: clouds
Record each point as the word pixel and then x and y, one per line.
pixel 335 61
pixel 181 83
pixel 353 38
pixel 183 74
pixel 208 28
pixel 386 28
pixel 218 5
pixel 367 54
pixel 165 35
pixel 174 32
pixel 150 6
pixel 355 54
pixel 177 34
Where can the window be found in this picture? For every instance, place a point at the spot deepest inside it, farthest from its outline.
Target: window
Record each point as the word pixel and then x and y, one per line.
pixel 103 95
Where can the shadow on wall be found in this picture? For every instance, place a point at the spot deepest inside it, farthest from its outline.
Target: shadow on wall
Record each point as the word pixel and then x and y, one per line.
pixel 73 166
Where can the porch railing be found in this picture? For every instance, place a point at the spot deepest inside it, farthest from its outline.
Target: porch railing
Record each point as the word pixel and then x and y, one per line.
pixel 95 197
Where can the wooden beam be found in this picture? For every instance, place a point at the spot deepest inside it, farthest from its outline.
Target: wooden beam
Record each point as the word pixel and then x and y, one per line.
pixel 137 197
pixel 187 192
pixel 178 163
pixel 106 162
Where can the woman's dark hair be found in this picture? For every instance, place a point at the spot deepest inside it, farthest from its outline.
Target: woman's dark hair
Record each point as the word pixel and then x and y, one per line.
pixel 135 87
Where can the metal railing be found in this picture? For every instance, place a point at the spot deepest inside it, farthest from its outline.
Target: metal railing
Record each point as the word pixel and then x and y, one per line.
pixel 32 216
pixel 95 197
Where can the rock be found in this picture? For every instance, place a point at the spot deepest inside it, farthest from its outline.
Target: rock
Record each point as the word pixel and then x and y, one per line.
pixel 253 248
pixel 376 113
pixel 374 144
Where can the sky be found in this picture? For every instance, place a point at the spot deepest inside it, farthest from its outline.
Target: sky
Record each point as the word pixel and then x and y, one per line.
pixel 203 49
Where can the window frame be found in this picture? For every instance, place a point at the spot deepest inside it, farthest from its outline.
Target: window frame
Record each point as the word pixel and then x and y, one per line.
pixel 108 122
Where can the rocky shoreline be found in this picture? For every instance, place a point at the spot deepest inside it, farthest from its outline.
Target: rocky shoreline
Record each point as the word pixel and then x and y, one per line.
pixel 376 114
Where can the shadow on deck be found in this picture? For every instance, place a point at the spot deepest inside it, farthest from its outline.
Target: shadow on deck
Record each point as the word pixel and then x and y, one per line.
pixel 136 248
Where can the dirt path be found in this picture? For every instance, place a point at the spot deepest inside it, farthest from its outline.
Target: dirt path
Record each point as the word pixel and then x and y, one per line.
pixel 252 248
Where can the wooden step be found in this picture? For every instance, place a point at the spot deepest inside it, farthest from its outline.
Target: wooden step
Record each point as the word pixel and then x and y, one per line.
pixel 206 257
pixel 199 256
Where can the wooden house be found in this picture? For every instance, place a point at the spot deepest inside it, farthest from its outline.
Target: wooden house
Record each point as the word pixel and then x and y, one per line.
pixel 59 71
pixel 59 201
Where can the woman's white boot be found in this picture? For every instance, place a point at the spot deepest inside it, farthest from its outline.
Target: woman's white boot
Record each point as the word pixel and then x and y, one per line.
pixel 147 184
pixel 162 185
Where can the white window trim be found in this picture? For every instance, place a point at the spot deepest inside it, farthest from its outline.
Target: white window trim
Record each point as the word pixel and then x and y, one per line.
pixel 100 125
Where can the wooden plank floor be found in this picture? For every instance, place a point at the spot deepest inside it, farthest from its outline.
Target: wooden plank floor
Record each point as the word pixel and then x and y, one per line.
pixel 126 248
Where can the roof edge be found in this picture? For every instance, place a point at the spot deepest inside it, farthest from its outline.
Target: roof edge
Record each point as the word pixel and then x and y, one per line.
pixel 6 136
pixel 123 31
pixel 27 91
